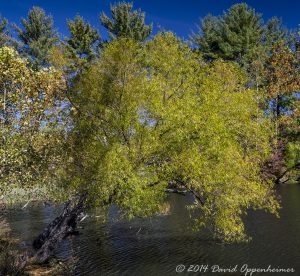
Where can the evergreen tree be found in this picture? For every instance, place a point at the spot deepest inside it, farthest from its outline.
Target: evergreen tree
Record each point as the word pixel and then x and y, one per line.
pixel 208 37
pixel 3 31
pixel 233 36
pixel 37 34
pixel 83 38
pixel 274 32
pixel 126 22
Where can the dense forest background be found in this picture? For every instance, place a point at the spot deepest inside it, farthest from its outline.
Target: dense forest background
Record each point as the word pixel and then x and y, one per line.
pixel 122 121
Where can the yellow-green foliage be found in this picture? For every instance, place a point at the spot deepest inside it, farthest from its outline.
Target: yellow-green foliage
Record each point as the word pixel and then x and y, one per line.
pixel 28 110
pixel 140 118
pixel 150 115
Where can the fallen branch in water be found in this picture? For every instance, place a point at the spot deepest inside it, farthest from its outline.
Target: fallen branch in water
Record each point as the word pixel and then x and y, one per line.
pixel 64 225
pixel 180 192
pixel 25 205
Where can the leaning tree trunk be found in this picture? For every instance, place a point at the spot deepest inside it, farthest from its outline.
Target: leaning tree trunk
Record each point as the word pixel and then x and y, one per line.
pixel 57 230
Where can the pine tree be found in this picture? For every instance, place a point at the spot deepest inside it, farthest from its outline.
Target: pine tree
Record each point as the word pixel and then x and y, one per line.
pixel 208 37
pixel 3 31
pixel 275 31
pixel 126 22
pixel 83 38
pixel 37 34
pixel 233 36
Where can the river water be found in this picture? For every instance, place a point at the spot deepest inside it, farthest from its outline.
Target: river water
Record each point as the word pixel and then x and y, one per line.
pixel 158 245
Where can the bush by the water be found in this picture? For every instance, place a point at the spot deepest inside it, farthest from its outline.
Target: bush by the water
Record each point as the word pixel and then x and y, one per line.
pixel 11 261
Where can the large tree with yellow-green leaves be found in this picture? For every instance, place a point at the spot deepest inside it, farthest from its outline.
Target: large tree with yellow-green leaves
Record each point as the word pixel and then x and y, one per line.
pixel 140 119
pixel 151 116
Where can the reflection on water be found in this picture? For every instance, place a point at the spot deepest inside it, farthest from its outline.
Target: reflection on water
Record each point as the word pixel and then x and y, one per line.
pixel 156 246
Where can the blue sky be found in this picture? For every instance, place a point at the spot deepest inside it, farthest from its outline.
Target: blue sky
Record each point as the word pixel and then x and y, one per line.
pixel 179 16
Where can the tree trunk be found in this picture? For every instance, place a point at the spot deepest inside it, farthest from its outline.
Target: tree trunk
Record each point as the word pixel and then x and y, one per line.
pixel 57 230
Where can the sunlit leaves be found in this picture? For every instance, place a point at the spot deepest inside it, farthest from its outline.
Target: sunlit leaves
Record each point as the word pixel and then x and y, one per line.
pixel 156 115
pixel 30 125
